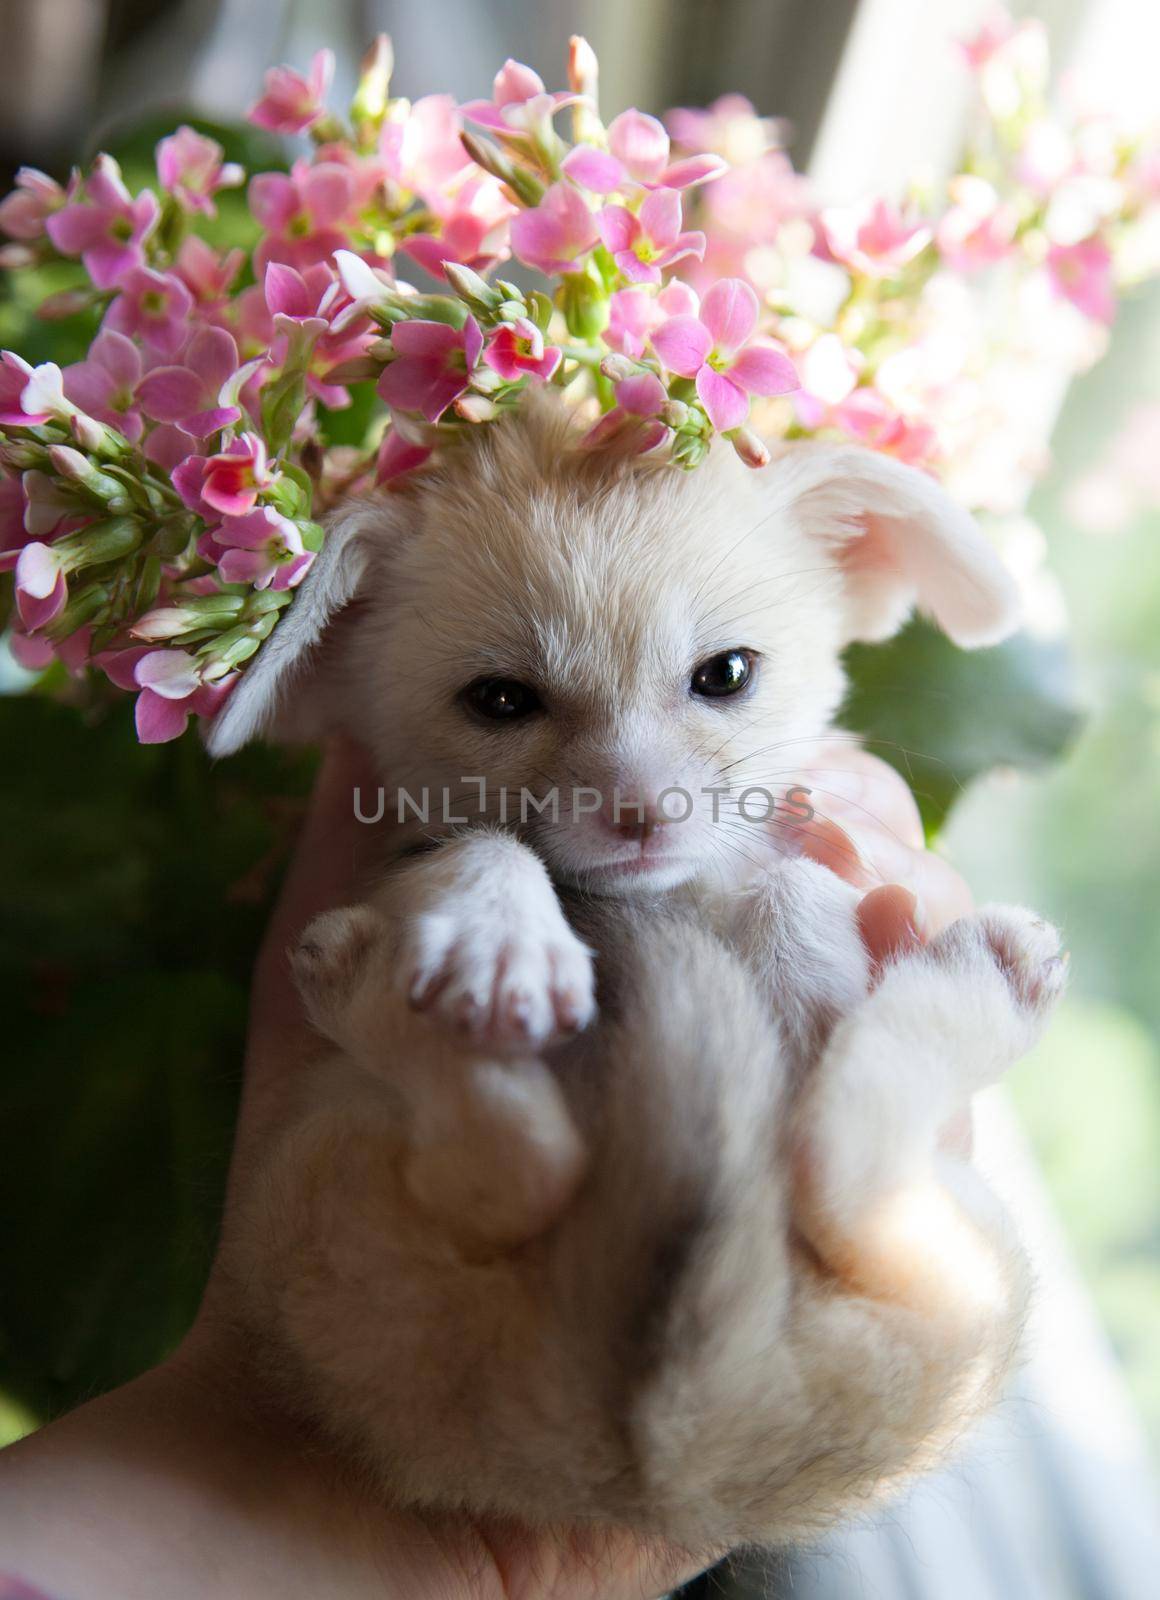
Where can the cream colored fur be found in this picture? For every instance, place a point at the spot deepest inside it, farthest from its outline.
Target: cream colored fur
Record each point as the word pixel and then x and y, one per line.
pixel 619 1191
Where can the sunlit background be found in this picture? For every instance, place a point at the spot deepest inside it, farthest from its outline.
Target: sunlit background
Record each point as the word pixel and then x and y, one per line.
pixel 1062 1503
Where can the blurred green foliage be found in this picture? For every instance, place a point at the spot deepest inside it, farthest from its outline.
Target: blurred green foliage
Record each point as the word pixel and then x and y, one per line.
pixel 135 890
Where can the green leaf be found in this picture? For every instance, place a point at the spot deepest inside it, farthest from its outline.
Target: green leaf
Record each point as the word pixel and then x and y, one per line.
pixel 944 716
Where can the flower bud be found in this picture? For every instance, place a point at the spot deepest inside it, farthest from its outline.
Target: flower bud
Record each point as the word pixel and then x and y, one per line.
pixel 469 286
pixel 476 408
pixel 76 468
pixel 749 447
pixel 14 256
pixel 689 450
pixel 170 622
pixel 369 106
pixel 109 540
pixel 584 302
pixel 524 184
pixel 675 413
pixel 19 456
pixel 65 303
pixel 617 367
pixel 97 439
pixel 583 79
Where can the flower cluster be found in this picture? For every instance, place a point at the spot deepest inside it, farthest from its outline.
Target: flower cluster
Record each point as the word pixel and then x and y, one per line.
pixel 161 499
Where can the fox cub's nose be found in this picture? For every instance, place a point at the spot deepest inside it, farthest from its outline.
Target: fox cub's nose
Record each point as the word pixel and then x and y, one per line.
pixel 640 811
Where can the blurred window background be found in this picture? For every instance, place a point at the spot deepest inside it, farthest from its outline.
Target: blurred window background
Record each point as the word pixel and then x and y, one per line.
pixel 1061 1504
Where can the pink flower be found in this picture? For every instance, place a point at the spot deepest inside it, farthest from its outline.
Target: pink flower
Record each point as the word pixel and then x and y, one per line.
pixel 1082 273
pixel 15 376
pixel 399 453
pixel 730 127
pixel 263 548
pixel 471 233
pixel 296 299
pixel 714 348
pixel 24 213
pixel 873 238
pixel 978 229
pixel 104 385
pixel 172 690
pixel 519 103
pixel 633 313
pixel 638 153
pixel 304 215
pixel 190 168
pixel 41 589
pixel 551 235
pixel 290 102
pixel 642 246
pixel 107 228
pixel 154 306
pixel 227 484
pixel 207 276
pixel 997 29
pixel 423 152
pixel 190 393
pixel 517 349
pixel 635 416
pixel 432 367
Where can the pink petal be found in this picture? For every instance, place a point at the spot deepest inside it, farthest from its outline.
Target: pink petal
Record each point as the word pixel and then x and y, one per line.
pixel 169 394
pixel 120 666
pixel 398 456
pixel 38 613
pixel 327 193
pixel 120 358
pixel 213 355
pixel 683 344
pixel 729 311
pixel 619 229
pixel 285 291
pixel 157 720
pixel 593 169
pixel 425 386
pixel 38 570
pixel 643 394
pixel 678 299
pixel 763 369
pixel 726 404
pixel 694 169
pixel 246 566
pixel 273 200
pixel 515 82
pixel 78 227
pixel 641 143
pixel 636 270
pixel 660 216
pixel 472 342
pixel 202 423
pixel 423 338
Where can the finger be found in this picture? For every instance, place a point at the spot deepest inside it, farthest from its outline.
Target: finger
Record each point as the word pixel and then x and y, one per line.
pixel 858 790
pixel 822 840
pixel 888 923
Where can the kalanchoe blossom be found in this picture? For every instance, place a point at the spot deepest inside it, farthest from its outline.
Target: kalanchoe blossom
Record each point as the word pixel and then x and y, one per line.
pixel 190 393
pixel 716 349
pixel 41 586
pixel 154 306
pixel 305 215
pixel 173 690
pixel 518 348
pixel 235 478
pixel 433 366
pixel 15 376
pixel 553 234
pixel 644 245
pixel 290 102
pixel 105 384
pixel 519 104
pixel 190 167
pixel 25 212
pixel 1082 273
pixel 875 239
pixel 636 416
pixel 638 153
pixel 263 548
pixel 107 227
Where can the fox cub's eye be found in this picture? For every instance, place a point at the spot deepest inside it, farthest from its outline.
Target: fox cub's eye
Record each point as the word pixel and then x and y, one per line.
pixel 728 673
pixel 501 699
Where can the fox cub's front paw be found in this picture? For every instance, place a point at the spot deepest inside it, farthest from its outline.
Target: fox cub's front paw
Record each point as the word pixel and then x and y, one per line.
pixel 486 949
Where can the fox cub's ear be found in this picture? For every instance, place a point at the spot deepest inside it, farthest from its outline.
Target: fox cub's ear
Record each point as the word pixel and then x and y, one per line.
pixel 900 541
pixel 284 666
